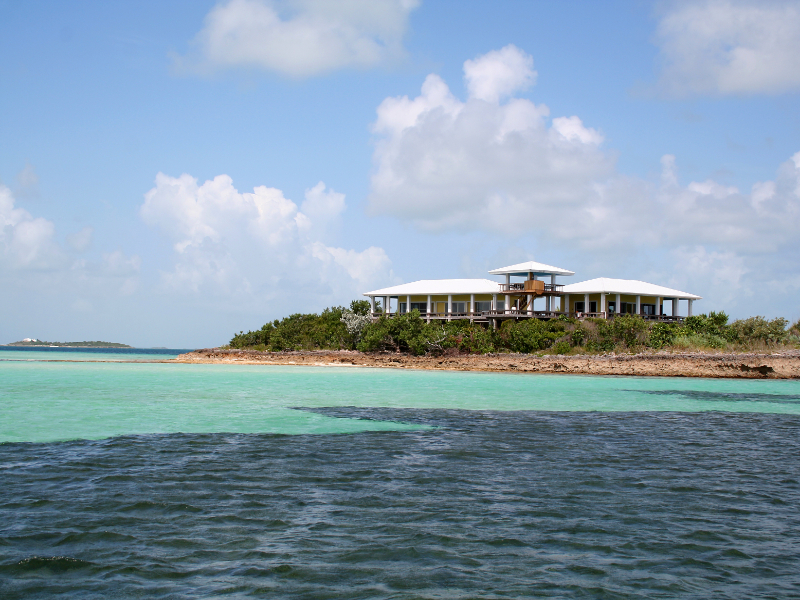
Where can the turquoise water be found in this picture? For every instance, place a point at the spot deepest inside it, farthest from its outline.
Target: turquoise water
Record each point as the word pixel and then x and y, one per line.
pixel 51 401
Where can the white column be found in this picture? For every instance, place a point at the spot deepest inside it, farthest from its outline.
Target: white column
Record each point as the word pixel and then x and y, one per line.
pixel 602 303
pixel 674 307
pixel 408 304
pixel 428 309
pixel 638 305
pixel 658 306
pixel 449 305
pixel 586 303
pixel 508 279
pixel 388 308
pixel 565 300
pixel 372 305
pixel 689 310
pixel 494 301
pixel 547 304
pixel 472 303
pixel 529 298
pixel 618 308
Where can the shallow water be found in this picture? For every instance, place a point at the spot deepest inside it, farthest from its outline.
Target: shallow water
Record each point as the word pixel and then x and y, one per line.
pixel 173 481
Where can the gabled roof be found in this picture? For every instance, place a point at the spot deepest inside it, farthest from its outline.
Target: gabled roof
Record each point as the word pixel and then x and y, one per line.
pixel 439 287
pixel 522 270
pixel 625 286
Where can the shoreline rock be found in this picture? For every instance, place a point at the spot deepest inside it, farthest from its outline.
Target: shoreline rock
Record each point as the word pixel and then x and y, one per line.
pixel 784 365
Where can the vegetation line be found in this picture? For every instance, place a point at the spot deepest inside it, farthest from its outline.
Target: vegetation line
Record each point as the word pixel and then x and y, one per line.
pixel 340 328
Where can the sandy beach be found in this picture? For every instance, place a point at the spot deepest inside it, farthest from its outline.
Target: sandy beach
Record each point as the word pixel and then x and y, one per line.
pixel 784 365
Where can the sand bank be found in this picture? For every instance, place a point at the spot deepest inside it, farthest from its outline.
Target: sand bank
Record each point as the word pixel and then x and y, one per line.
pixel 785 365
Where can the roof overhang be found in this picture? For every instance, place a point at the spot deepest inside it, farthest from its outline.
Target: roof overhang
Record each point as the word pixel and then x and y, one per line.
pixel 439 287
pixel 531 267
pixel 629 287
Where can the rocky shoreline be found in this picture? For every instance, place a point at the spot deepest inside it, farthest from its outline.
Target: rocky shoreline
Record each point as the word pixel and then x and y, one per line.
pixel 783 365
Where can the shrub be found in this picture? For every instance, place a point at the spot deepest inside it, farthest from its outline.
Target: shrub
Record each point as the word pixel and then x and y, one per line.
pixel 260 337
pixel 621 332
pixel 401 333
pixel 715 323
pixel 699 341
pixel 758 329
pixel 663 334
pixel 562 347
pixel 530 335
pixel 468 337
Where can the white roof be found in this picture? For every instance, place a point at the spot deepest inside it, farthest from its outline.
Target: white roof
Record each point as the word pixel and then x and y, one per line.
pixel 536 268
pixel 625 286
pixel 438 287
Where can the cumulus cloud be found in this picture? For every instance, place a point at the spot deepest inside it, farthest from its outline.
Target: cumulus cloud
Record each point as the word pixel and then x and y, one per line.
pixel 258 246
pixel 26 242
pixel 499 73
pixel 730 47
pixel 482 163
pixel 301 38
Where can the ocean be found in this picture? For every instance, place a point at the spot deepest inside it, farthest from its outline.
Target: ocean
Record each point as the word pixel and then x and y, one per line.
pixel 152 480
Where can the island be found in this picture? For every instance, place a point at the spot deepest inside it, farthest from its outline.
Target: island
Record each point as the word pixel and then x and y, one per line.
pixel 41 343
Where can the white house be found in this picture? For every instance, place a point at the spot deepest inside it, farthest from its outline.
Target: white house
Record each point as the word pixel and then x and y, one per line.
pixel 484 300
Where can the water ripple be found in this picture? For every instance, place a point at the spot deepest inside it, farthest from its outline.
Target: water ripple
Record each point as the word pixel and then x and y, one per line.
pixel 479 504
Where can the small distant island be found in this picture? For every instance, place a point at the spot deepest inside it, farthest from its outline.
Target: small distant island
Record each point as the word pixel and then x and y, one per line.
pixel 97 344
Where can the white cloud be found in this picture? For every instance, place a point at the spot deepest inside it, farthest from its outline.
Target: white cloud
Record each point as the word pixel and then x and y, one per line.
pixel 26 242
pixel 258 247
pixel 499 74
pixel 730 47
pixel 301 38
pixel 444 163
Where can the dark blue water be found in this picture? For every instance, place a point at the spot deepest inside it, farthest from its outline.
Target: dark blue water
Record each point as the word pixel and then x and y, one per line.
pixel 62 353
pixel 486 505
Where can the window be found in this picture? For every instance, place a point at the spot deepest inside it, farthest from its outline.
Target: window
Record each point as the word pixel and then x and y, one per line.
pixel 483 306
pixel 612 308
pixel 401 308
pixel 422 307
pixel 501 305
pixel 459 307
pixel 579 307
pixel 593 307
pixel 648 309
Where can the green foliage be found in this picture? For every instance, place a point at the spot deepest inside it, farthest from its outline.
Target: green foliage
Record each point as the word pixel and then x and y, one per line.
pixel 662 334
pixel 260 337
pixel 628 331
pixel 714 323
pixel 758 329
pixel 699 341
pixel 530 335
pixel 299 332
pixel 340 328
pixel 468 337
pixel 562 347
pixel 360 307
pixel 401 333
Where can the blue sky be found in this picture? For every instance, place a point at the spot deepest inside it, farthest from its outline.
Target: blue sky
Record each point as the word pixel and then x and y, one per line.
pixel 386 142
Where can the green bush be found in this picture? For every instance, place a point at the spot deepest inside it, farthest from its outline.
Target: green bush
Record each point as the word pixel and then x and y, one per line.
pixel 401 333
pixel 663 334
pixel 699 341
pixel 469 338
pixel 260 337
pixel 530 335
pixel 562 347
pixel 757 329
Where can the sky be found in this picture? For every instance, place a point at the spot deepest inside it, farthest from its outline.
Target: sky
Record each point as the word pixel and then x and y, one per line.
pixel 174 172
